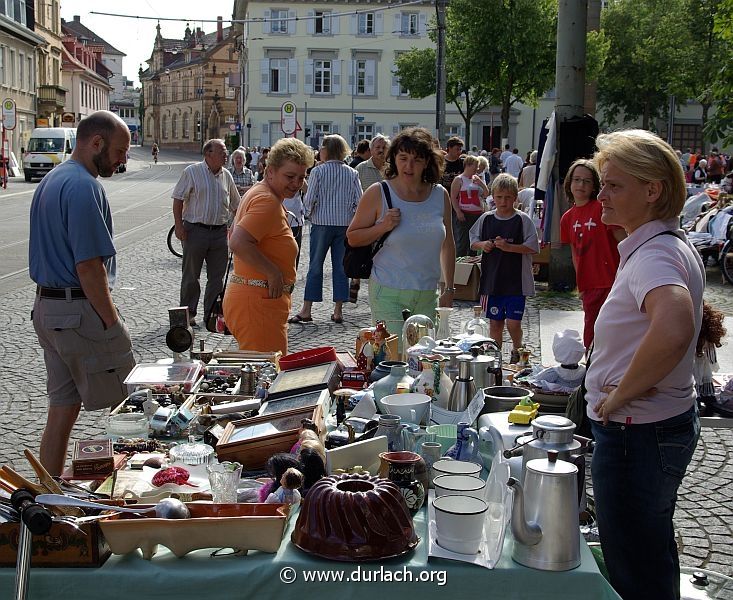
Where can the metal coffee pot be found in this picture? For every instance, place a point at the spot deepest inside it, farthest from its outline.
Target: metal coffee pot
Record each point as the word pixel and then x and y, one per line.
pixel 545 515
pixel 549 432
pixel 483 368
pixel 451 352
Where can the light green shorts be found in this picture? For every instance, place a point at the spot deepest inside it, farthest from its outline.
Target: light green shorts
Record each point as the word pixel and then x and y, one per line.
pixel 387 304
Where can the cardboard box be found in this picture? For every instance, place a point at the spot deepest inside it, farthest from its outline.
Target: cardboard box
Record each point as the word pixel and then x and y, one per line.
pixel 62 546
pixel 467 281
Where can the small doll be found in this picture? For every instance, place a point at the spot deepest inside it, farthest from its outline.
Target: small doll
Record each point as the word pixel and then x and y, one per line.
pixel 711 335
pixel 288 492
pixel 276 466
pixel 379 345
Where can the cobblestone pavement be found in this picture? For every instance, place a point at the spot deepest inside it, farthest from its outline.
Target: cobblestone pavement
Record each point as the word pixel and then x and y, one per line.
pixel 147 286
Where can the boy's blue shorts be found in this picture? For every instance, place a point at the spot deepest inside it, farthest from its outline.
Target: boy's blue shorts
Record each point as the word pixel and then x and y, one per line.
pixel 499 308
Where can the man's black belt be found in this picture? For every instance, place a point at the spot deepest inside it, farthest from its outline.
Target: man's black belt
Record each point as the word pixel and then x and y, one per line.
pixel 60 293
pixel 209 227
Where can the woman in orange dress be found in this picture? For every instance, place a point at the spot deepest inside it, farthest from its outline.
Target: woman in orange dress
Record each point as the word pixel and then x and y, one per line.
pixel 257 299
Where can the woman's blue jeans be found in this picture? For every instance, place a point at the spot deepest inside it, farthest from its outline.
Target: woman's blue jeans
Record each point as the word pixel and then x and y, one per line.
pixel 323 238
pixel 637 470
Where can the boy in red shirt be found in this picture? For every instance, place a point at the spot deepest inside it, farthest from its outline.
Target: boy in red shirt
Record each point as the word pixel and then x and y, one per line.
pixel 593 244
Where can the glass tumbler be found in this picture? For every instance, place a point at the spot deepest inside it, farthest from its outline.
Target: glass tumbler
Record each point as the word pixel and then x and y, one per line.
pixel 224 479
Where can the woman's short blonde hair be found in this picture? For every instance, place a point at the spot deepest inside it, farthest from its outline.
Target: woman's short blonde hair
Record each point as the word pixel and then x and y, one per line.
pixel 483 164
pixel 470 160
pixel 336 147
pixel 292 150
pixel 505 182
pixel 647 157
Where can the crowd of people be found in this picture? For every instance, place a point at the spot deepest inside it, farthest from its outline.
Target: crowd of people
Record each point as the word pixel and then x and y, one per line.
pixel 637 274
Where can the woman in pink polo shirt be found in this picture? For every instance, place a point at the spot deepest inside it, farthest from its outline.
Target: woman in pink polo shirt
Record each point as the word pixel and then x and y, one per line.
pixel 641 395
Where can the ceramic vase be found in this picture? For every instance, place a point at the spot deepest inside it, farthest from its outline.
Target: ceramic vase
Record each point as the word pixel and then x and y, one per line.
pixel 399 468
pixel 383 369
pixel 390 426
pixel 444 314
pixel 433 382
pixel 430 452
pixel 388 385
pixel 466 447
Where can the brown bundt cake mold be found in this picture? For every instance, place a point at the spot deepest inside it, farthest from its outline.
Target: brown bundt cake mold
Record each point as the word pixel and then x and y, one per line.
pixel 354 517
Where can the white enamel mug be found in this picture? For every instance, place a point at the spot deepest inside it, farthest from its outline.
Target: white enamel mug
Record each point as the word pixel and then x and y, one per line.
pixel 446 466
pixel 459 522
pixel 464 485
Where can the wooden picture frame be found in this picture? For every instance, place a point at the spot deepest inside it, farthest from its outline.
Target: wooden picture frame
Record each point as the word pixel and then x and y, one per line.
pixel 252 441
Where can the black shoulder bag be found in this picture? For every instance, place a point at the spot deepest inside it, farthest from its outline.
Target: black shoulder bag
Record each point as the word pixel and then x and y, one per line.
pixel 214 317
pixel 358 260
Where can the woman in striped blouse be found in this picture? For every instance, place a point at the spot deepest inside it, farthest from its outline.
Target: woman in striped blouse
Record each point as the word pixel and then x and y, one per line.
pixel 330 203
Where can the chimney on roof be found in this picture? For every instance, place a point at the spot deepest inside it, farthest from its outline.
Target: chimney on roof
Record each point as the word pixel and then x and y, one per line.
pixel 219 30
pixel 77 19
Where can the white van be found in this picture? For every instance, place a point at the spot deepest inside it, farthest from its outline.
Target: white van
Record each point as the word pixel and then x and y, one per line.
pixel 47 147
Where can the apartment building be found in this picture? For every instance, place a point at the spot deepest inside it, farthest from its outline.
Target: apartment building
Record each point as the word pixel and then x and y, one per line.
pixel 124 99
pixel 190 88
pixel 18 45
pixel 335 61
pixel 51 95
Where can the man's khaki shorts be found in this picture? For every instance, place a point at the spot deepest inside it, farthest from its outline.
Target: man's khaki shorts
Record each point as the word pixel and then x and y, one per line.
pixel 85 362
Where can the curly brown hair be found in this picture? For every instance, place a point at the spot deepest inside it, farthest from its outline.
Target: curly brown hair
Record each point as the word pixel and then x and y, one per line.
pixel 712 329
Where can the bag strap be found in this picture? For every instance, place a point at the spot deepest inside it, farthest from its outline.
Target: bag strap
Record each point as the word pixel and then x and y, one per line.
pixel 229 266
pixel 380 242
pixel 668 232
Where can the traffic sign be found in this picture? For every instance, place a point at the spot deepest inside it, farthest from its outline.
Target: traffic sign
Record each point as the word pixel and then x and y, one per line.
pixel 288 118
pixel 358 119
pixel 9 119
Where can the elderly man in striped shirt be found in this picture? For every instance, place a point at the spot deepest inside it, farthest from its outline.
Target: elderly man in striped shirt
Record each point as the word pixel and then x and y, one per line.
pixel 204 199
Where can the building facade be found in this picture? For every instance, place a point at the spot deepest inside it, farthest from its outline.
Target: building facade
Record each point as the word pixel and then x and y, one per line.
pixel 189 89
pixel 124 98
pixel 18 46
pixel 51 95
pixel 84 76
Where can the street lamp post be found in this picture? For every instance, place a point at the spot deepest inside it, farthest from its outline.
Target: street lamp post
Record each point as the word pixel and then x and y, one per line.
pixel 200 92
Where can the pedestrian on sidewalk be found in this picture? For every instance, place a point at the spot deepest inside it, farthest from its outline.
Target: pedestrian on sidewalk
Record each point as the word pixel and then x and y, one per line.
pixel 640 384
pixel 330 203
pixel 593 244
pixel 507 238
pixel 204 200
pixel 467 192
pixel 86 345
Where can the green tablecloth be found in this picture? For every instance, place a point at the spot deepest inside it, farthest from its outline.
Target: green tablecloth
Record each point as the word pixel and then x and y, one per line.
pixel 258 576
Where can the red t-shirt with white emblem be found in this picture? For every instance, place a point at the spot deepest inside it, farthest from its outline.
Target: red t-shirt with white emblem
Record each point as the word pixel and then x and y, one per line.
pixel 594 248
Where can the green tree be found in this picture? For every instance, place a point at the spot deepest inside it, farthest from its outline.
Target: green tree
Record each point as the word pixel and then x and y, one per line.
pixel 497 52
pixel 646 59
pixel 706 55
pixel 720 125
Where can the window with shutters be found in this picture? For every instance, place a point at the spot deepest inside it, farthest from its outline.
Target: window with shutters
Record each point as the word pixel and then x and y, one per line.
pixel 186 133
pixel 321 76
pixel 364 131
pixel 164 127
pixel 174 126
pixel 366 23
pixel 322 22
pixel 185 89
pixel 279 22
pixel 279 75
pixel 409 23
pixel 322 128
pixel 361 75
pixel 452 130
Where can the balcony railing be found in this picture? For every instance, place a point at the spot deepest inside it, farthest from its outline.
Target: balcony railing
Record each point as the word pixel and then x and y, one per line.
pixel 53 94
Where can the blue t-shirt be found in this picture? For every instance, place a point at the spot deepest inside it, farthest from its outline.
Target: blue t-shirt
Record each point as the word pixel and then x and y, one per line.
pixel 71 222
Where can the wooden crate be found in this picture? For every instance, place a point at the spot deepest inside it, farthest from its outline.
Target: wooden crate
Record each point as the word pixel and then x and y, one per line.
pixel 62 546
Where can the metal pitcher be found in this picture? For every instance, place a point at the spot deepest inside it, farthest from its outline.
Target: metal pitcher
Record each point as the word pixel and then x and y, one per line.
pixel 545 515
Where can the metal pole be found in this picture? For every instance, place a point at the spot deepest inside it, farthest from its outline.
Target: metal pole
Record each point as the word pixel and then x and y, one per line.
pixel 440 75
pixel 305 120
pixel 570 84
pixel 353 93
pixel 670 121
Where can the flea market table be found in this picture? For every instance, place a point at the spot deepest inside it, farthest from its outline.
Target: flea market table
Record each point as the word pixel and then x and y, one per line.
pixel 261 575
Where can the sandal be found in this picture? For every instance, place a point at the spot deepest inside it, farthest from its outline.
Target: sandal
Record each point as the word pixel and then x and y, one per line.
pixel 354 292
pixel 299 319
pixel 336 319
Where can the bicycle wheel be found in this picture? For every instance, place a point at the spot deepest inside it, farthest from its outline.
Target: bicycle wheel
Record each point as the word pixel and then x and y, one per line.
pixel 726 261
pixel 174 244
